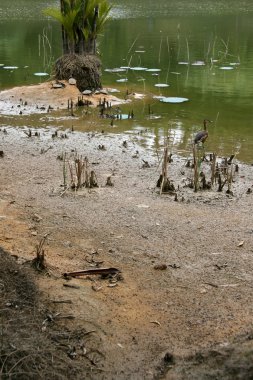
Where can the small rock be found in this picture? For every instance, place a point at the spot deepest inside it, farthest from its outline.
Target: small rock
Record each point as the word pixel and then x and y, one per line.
pixel 72 81
pixel 160 267
pixel 87 92
pixel 58 85
pixel 104 92
pixel 96 288
pixel 36 218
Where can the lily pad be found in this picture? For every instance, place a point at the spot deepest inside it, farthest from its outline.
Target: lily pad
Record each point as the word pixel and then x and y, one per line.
pixel 138 68
pixel 121 116
pixel 154 117
pixel 122 80
pixel 41 74
pixel 158 97
pixel 171 99
pixel 153 70
pixel 161 85
pixel 10 67
pixel 226 68
pixel 116 70
pixel 198 63
pixel 113 90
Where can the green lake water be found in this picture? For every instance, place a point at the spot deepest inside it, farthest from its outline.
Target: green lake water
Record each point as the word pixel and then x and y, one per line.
pixel 202 49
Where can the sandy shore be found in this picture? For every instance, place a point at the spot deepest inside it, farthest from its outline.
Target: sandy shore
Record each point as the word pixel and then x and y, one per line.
pixel 186 285
pixel 39 98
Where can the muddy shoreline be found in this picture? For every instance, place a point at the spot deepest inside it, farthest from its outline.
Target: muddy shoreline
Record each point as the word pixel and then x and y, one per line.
pixel 187 265
pixel 43 98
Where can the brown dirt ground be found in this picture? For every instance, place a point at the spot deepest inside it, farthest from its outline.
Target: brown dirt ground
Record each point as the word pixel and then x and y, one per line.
pixel 192 320
pixel 27 100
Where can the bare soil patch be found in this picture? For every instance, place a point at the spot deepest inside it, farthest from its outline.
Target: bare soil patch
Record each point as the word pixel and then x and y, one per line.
pixel 183 307
pixel 42 98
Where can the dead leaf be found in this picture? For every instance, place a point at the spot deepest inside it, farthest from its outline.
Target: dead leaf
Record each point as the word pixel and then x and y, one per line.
pixel 156 323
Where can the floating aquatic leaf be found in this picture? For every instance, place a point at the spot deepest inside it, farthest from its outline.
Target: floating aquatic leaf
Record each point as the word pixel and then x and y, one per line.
pixel 153 70
pixel 154 117
pixel 175 73
pixel 10 67
pixel 198 63
pixel 183 63
pixel 140 51
pixel 112 90
pixel 138 68
pixel 161 85
pixel 116 70
pixel 122 80
pixel 121 116
pixel 125 67
pixel 234 63
pixel 158 97
pixel 226 68
pixel 41 74
pixel 171 99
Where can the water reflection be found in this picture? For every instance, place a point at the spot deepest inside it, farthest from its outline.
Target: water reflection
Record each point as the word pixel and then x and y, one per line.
pixel 207 36
pixel 149 8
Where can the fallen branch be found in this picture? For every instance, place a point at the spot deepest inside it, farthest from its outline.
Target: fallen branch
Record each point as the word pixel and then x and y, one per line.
pixel 88 272
pixel 71 286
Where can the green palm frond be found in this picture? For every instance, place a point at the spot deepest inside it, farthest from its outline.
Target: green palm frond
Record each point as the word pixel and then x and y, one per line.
pixel 78 17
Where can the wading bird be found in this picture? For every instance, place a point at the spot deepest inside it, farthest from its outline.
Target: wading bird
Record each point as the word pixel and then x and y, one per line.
pixel 201 136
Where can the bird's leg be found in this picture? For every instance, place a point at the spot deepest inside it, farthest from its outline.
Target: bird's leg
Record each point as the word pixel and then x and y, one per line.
pixel 201 148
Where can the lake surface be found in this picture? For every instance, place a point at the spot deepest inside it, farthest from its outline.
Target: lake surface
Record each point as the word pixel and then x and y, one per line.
pixel 198 50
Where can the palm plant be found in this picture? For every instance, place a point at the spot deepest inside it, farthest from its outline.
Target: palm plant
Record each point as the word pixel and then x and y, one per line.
pixel 82 21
